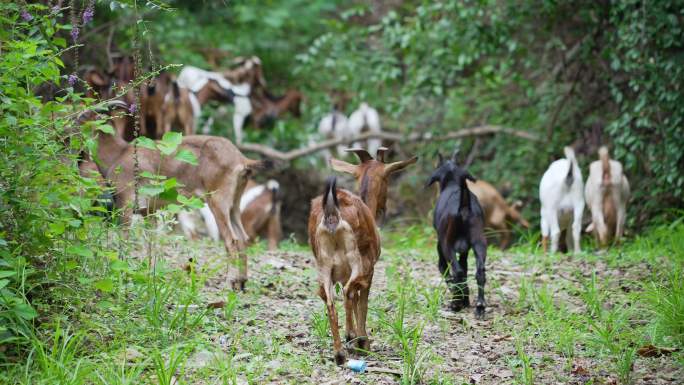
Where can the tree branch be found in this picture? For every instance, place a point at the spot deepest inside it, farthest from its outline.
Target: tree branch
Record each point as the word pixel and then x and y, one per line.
pixel 389 136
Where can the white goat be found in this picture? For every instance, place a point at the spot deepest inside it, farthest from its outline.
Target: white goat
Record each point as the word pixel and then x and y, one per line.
pixel 195 79
pixel 335 125
pixel 253 191
pixel 562 203
pixel 366 118
pixel 607 192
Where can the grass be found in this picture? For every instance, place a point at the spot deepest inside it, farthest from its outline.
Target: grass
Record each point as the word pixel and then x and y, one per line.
pixel 549 319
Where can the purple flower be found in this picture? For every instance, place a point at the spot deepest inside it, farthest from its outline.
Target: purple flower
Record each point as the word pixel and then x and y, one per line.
pixel 26 16
pixel 132 108
pixel 72 79
pixel 74 33
pixel 88 15
pixel 56 9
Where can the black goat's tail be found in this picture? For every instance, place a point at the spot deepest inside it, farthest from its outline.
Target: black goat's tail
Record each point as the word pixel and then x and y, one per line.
pixel 572 161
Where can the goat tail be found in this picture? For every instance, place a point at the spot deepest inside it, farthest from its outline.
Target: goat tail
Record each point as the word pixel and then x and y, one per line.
pixel 572 162
pixel 252 165
pixel 605 163
pixel 176 93
pixel 330 195
pixel 331 216
pixel 274 187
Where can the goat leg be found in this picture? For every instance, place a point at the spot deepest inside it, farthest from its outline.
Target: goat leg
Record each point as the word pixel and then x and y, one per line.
pixel 221 214
pixel 480 249
pixel 274 232
pixel 363 343
pixel 463 262
pixel 350 299
pixel 325 291
pixel 459 286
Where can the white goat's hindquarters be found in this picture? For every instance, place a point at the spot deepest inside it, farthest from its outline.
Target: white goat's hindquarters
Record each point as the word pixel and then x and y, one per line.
pixel 243 107
pixel 210 222
pixel 366 118
pixel 562 205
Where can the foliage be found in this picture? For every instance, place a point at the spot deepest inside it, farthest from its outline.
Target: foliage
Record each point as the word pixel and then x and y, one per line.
pixel 74 309
pixel 48 223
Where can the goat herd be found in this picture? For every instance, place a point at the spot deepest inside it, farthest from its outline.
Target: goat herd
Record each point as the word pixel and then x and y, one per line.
pixel 342 225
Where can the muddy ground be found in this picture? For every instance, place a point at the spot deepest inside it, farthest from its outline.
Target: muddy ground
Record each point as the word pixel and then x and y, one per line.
pixel 271 335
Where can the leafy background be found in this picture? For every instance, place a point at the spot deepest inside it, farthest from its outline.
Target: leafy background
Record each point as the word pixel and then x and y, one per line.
pixel 572 72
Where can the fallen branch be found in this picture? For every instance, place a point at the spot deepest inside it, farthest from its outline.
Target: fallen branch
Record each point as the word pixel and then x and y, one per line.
pixel 389 136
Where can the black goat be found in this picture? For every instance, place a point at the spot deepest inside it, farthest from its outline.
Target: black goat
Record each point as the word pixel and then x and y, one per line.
pixel 459 222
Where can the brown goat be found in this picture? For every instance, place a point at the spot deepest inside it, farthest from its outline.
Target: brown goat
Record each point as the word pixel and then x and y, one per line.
pixel 497 212
pixel 268 108
pixel 346 245
pixel 246 70
pixel 177 111
pixel 607 192
pixel 152 99
pixel 372 177
pixel 261 212
pixel 221 173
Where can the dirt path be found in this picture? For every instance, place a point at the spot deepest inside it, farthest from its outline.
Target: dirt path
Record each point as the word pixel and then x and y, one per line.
pixel 273 337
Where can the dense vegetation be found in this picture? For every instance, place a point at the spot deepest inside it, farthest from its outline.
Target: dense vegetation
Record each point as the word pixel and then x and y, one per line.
pixel 577 72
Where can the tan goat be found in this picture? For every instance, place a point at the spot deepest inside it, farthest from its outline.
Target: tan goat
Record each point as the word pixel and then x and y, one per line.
pixel 261 212
pixel 152 98
pixel 372 177
pixel 346 245
pixel 344 238
pixel 497 213
pixel 221 175
pixel 607 192
pixel 177 111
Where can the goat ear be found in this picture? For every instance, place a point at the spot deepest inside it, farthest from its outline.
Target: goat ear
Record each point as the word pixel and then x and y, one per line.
pixel 381 153
pixel 96 78
pixel 342 166
pixel 362 154
pixel 440 158
pixel 396 166
pixel 435 177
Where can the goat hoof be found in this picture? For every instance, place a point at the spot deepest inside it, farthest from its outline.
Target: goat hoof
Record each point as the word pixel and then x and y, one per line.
pixel 350 337
pixel 362 345
pixel 480 312
pixel 457 306
pixel 340 358
pixel 239 284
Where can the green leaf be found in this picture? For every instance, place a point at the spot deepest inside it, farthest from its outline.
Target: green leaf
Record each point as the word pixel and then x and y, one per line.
pixel 170 142
pixel 105 285
pixel 104 305
pixel 3 283
pixel 187 156
pixel 174 208
pixel 79 250
pixel 119 265
pixel 25 311
pixel 57 228
pixel 146 142
pixel 70 265
pixel 7 273
pixel 192 202
pixel 151 190
pixel 106 128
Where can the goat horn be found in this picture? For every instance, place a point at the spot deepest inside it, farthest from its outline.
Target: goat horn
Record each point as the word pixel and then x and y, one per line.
pixel 381 153
pixel 454 155
pixel 363 155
